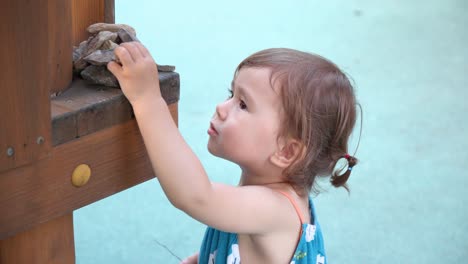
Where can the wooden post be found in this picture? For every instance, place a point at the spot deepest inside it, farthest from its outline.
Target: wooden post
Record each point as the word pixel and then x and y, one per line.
pixel 24 83
pixel 51 242
pixel 36 59
pixel 60 46
pixel 87 12
pixel 43 139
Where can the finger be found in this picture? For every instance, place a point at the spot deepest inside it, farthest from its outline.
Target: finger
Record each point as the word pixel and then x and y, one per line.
pixel 133 50
pixel 124 55
pixel 114 68
pixel 143 50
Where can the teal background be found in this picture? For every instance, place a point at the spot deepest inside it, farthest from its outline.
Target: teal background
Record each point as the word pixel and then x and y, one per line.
pixel 408 60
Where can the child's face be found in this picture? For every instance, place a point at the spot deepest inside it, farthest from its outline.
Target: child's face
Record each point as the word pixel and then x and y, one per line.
pixel 244 128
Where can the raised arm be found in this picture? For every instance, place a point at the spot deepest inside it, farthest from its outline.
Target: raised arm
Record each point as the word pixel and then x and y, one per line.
pixel 250 209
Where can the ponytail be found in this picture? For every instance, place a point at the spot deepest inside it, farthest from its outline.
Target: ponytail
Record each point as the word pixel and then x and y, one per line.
pixel 340 180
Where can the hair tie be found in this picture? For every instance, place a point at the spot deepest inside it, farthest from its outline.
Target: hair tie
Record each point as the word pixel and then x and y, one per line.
pixel 348 157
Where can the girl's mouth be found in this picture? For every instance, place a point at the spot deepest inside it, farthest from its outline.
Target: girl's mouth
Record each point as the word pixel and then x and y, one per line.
pixel 212 130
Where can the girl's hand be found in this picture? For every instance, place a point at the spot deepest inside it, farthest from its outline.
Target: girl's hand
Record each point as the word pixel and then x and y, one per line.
pixel 138 75
pixel 191 260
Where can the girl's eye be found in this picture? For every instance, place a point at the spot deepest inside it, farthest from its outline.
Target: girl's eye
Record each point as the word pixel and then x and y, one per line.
pixel 242 105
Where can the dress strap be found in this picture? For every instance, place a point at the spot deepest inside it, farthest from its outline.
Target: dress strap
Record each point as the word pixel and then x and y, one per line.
pixel 296 207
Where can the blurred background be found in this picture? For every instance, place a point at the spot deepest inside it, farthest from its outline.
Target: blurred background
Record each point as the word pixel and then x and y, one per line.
pixel 408 61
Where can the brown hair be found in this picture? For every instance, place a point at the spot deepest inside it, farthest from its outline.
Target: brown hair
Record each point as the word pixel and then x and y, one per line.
pixel 319 108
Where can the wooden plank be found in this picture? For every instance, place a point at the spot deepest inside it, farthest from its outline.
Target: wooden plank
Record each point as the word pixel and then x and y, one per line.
pixel 51 242
pixel 60 46
pixel 117 158
pixel 24 104
pixel 85 13
pixel 85 108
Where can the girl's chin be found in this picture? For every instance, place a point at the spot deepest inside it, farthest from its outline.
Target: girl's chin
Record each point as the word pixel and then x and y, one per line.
pixel 212 149
pixel 216 152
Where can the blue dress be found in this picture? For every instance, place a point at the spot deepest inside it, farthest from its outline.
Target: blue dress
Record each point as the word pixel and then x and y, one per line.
pixel 220 247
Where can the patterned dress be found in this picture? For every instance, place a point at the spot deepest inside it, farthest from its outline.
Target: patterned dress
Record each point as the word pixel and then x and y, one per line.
pixel 220 247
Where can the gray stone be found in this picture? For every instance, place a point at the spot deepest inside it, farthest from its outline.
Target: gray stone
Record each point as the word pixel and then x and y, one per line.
pixel 96 42
pixel 98 27
pixel 100 57
pixel 166 68
pixel 126 36
pixel 99 75
pixel 78 63
pixel 109 45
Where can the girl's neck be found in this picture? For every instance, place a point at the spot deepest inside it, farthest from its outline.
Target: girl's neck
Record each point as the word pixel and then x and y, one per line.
pixel 256 179
pixel 277 183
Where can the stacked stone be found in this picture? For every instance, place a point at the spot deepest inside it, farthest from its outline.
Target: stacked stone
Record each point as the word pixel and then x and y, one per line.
pixel 90 58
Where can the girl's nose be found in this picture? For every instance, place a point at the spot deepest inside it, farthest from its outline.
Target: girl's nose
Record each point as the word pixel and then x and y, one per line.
pixel 222 110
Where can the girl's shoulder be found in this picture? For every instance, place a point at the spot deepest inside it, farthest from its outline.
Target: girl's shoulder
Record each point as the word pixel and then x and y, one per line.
pixel 301 203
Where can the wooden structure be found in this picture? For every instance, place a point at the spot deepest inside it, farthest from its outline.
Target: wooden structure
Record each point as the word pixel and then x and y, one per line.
pixel 43 138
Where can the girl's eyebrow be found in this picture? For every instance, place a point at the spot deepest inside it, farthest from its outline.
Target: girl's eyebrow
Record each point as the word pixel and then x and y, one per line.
pixel 242 91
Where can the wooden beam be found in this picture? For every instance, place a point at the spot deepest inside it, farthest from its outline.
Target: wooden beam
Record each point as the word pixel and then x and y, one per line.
pixel 85 108
pixel 117 158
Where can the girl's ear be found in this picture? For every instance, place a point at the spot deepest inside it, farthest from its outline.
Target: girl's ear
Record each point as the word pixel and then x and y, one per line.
pixel 287 153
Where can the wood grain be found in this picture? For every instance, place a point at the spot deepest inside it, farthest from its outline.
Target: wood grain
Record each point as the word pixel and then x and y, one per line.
pixel 85 13
pixel 43 191
pixel 86 108
pixel 24 82
pixel 51 242
pixel 60 45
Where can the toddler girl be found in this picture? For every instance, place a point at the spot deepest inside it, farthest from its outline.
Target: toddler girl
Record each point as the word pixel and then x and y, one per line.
pixel 287 121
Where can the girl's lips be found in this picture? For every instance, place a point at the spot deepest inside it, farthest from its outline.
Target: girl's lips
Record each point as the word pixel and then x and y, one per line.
pixel 212 131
